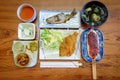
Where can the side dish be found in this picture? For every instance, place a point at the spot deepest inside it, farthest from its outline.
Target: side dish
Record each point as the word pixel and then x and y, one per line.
pixel 25 53
pixel 22 59
pixel 26 31
pixel 19 47
pixel 94 13
pixel 32 46
pixel 26 12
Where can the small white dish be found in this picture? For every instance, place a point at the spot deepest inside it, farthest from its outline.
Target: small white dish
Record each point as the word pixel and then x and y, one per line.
pixel 21 7
pixel 26 31
pixel 30 50
pixel 72 23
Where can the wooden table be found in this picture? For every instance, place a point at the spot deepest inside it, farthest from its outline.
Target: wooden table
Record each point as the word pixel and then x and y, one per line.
pixel 107 69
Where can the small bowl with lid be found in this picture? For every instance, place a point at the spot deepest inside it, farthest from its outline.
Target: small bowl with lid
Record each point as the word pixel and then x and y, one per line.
pixel 26 12
pixel 94 13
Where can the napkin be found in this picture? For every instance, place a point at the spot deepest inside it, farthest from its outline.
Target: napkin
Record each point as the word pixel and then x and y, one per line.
pixel 60 64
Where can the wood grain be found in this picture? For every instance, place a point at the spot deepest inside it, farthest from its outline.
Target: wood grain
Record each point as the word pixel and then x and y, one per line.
pixel 107 69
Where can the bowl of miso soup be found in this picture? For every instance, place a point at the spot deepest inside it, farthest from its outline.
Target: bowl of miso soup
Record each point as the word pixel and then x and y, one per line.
pixel 94 13
pixel 26 12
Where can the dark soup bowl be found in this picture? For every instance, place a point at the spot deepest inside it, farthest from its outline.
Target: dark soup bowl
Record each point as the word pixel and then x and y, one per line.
pixel 94 13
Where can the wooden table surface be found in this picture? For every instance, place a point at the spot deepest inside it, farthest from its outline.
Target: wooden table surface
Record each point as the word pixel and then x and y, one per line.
pixel 107 69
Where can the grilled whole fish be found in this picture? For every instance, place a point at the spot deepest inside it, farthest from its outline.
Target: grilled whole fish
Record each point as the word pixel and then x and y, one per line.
pixel 61 18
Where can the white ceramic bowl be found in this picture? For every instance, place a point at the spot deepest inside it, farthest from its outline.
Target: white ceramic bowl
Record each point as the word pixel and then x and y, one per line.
pixel 20 9
pixel 26 31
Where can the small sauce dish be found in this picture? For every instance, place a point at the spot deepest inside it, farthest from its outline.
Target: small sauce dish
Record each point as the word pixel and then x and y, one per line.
pixel 26 12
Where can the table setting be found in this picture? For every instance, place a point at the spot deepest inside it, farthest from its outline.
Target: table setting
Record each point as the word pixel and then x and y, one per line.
pixel 62 41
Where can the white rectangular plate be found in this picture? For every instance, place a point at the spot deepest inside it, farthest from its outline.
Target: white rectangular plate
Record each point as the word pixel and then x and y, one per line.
pixel 72 23
pixel 54 54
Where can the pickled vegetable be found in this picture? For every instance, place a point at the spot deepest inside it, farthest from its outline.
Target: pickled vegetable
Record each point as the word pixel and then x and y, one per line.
pixel 33 46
